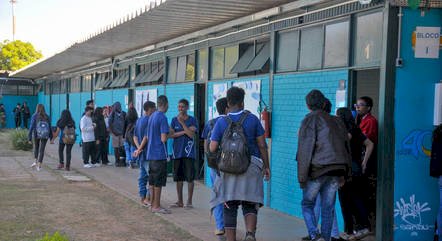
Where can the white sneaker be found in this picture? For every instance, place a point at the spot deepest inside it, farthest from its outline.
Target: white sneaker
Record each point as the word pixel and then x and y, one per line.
pixel 87 165
pixel 38 168
pixel 34 164
pixel 97 165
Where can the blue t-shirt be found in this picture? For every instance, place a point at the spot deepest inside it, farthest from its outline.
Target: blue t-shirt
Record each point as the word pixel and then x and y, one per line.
pixel 252 129
pixel 207 128
pixel 157 125
pixel 140 132
pixel 183 146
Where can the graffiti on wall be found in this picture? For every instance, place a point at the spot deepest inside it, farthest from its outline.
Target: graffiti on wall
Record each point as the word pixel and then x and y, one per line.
pixel 417 144
pixel 410 214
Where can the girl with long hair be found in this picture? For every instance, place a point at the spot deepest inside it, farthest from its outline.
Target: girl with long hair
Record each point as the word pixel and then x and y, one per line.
pixel 129 145
pixel 101 136
pixel 40 131
pixel 66 133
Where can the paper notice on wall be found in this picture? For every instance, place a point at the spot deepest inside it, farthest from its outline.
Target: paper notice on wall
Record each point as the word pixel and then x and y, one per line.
pixel 142 96
pixel 427 42
pixel 253 95
pixel 340 98
pixel 192 104
pixel 219 91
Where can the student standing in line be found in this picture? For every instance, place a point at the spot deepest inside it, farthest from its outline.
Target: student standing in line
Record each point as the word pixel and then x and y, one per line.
pixel 217 210
pixel 183 128
pixel 17 115
pixel 129 145
pixel 246 189
pixel 106 143
pixel 140 140
pixel 40 131
pixel 117 120
pixel 66 133
pixel 157 155
pixel 2 116
pixel 87 135
pixel 26 114
pixel 101 136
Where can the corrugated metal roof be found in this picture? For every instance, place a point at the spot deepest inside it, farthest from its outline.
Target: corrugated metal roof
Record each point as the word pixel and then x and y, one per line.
pixel 171 19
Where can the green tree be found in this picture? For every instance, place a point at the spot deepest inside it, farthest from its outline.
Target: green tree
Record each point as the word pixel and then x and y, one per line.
pixel 17 54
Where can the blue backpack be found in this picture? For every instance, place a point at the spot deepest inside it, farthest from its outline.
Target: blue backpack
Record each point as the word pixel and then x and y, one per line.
pixel 42 129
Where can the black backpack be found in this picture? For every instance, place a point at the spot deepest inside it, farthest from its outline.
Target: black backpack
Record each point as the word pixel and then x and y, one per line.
pixel 212 158
pixel 235 155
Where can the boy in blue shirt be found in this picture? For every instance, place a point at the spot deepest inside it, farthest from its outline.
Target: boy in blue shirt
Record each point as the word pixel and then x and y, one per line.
pixel 157 134
pixel 140 140
pixel 184 128
pixel 218 212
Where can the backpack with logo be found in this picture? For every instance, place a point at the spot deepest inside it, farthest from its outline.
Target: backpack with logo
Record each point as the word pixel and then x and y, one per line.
pixel 129 135
pixel 118 122
pixel 42 128
pixel 69 135
pixel 212 158
pixel 235 155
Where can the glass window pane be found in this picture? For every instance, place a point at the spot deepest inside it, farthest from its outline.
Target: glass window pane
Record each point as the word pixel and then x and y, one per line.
pixel 181 72
pixel 25 90
pixel 152 67
pixel 232 54
pixel 287 51
pixel 336 44
pixel 368 39
pixel 246 58
pixel 190 67
pixel 171 74
pixel 217 62
pixel 312 40
pixel 202 64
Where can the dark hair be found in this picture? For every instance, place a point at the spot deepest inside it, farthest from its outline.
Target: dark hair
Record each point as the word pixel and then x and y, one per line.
pixel 367 100
pixel 327 106
pixel 315 100
pixel 437 133
pixel 89 102
pixel 347 117
pixel 132 115
pixel 235 96
pixel 88 108
pixel 98 113
pixel 184 101
pixel 221 105
pixel 18 103
pixel 66 119
pixel 148 105
pixel 162 101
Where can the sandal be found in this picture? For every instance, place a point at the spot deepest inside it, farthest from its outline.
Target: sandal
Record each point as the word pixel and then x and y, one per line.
pixel 176 205
pixel 161 211
pixel 146 204
pixel 188 206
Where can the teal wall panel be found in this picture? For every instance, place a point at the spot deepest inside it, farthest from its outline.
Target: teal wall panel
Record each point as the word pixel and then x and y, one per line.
pixel 10 101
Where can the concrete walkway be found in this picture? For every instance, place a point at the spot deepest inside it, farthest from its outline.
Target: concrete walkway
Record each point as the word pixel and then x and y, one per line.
pixel 272 225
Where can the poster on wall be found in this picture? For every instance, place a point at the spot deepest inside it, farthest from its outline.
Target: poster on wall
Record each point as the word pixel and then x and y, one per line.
pixel 142 96
pixel 427 42
pixel 219 91
pixel 253 95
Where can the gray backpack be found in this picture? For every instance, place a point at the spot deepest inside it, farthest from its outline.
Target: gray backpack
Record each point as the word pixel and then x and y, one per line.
pixel 235 156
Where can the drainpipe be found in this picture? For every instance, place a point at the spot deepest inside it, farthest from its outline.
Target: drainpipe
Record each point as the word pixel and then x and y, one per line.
pixel 399 60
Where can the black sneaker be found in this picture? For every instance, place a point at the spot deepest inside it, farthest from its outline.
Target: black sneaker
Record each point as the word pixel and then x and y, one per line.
pixel 306 238
pixel 250 236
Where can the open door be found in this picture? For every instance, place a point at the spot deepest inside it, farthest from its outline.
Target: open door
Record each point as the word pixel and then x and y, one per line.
pixel 200 116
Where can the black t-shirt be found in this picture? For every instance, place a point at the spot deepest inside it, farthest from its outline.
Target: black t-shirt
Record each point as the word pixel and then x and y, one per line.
pixel 357 144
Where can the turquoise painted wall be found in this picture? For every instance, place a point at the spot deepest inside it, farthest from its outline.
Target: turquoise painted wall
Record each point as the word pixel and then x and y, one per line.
pixel 289 109
pixel 10 101
pixel 416 196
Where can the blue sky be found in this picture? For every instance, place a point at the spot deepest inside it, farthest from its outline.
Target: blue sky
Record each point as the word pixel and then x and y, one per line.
pixel 53 25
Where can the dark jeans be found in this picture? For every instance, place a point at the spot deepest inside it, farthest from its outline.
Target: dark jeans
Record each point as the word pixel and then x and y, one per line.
pixel 25 122
pixel 102 151
pixel 39 149
pixel 88 149
pixel 68 153
pixel 17 122
pixel 231 211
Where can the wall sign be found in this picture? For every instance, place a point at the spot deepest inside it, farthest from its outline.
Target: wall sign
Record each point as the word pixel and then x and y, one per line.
pixel 427 42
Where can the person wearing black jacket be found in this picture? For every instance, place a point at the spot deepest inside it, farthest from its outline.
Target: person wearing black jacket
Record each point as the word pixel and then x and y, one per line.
pixel 17 116
pixel 436 170
pixel 26 114
pixel 101 136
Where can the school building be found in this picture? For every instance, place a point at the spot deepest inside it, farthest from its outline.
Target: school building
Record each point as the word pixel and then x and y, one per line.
pixel 277 51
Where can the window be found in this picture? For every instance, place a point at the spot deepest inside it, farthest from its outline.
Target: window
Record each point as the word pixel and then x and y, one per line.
pixel 203 57
pixel 120 79
pixel 75 85
pixel 287 51
pixel 9 89
pixel 217 63
pixel 254 58
pixel 181 70
pixel 25 90
pixel 368 39
pixel 312 40
pixel 231 57
pixel 47 87
pixel 190 67
pixel 336 44
pixel 171 74
pixel 63 86
pixel 149 73
pixel 87 83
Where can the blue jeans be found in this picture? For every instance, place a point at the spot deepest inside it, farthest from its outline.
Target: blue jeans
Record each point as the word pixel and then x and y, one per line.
pixel 439 215
pixel 143 187
pixel 218 211
pixel 326 186
pixel 129 149
pixel 335 229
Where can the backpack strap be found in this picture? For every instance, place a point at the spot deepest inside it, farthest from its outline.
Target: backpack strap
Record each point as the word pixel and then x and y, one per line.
pixel 244 116
pixel 228 119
